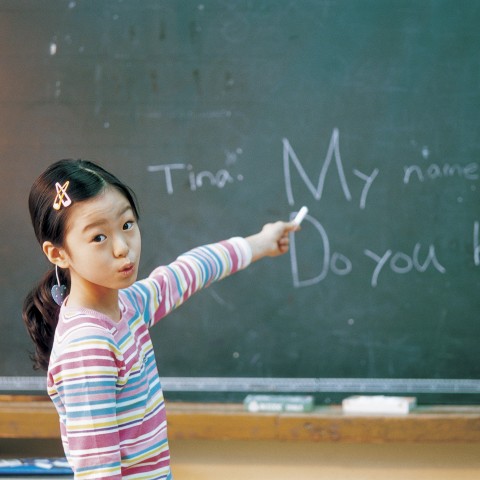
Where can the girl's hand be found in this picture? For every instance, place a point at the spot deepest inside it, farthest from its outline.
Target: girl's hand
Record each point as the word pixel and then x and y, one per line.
pixel 272 240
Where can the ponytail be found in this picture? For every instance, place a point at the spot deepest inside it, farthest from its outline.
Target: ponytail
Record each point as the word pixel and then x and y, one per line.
pixel 40 315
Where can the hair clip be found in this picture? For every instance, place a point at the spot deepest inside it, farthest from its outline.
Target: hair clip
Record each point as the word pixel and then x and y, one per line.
pixel 59 292
pixel 62 198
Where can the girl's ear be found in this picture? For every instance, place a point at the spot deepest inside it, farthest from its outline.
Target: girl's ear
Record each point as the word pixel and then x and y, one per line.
pixel 56 255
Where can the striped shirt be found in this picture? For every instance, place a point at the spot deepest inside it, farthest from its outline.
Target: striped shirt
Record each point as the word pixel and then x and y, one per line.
pixel 103 377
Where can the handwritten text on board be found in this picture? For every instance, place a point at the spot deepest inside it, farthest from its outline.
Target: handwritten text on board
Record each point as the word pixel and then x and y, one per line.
pixel 421 257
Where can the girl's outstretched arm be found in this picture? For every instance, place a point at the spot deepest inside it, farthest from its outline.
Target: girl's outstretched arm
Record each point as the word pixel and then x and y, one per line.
pixel 272 240
pixel 173 284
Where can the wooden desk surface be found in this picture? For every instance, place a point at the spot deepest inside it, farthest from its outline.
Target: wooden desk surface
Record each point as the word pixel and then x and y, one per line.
pixel 35 417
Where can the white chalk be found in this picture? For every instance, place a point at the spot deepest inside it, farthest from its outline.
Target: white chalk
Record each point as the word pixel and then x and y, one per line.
pixel 300 215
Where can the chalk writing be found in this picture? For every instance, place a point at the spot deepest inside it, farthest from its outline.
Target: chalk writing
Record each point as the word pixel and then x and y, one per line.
pixel 336 262
pixel 196 180
pixel 333 152
pixel 476 246
pixel 434 171
pixel 402 263
pixel 330 262
pixel 368 183
pixel 339 264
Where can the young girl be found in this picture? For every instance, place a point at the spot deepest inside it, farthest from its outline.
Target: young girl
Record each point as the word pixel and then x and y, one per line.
pixel 89 317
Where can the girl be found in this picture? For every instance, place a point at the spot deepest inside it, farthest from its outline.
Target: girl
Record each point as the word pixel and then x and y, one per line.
pixel 89 317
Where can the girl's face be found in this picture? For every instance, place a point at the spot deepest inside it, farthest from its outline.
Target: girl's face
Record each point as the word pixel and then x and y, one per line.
pixel 102 244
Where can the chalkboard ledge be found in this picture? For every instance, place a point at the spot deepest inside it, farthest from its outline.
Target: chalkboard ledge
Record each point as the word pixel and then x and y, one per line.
pixel 35 417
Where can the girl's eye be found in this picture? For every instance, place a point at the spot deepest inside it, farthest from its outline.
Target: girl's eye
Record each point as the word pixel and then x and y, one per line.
pixel 128 225
pixel 99 238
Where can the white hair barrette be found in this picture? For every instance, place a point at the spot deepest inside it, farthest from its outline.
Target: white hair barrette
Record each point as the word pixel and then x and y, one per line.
pixel 62 197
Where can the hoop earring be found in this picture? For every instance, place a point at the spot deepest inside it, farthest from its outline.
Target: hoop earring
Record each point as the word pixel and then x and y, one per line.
pixel 59 292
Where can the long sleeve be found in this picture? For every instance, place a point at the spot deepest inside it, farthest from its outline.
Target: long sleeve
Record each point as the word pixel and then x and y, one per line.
pixel 169 286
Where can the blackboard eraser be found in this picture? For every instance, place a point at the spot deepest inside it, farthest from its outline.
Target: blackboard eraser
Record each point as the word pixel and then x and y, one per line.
pixel 279 403
pixel 378 404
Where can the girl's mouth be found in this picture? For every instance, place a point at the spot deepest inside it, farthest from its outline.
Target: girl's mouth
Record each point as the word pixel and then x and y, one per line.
pixel 127 269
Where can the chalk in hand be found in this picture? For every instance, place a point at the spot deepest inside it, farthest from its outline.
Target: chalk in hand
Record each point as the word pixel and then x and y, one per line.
pixel 300 215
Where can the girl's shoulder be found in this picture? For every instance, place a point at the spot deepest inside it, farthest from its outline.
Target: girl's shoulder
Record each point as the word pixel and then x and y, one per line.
pixel 75 322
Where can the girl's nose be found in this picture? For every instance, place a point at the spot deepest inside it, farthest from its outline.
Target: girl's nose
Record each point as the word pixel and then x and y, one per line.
pixel 120 247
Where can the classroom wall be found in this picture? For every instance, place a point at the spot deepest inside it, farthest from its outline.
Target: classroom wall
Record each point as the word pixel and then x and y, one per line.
pixel 265 460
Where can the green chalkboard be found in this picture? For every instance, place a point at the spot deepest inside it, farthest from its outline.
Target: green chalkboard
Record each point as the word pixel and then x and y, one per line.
pixel 223 115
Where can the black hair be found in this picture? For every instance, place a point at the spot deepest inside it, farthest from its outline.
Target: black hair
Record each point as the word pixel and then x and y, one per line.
pixel 86 180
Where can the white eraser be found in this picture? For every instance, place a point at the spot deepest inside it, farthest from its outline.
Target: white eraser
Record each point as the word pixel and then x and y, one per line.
pixel 300 215
pixel 379 404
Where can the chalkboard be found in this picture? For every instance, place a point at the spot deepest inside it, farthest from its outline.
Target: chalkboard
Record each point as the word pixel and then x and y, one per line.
pixel 223 115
